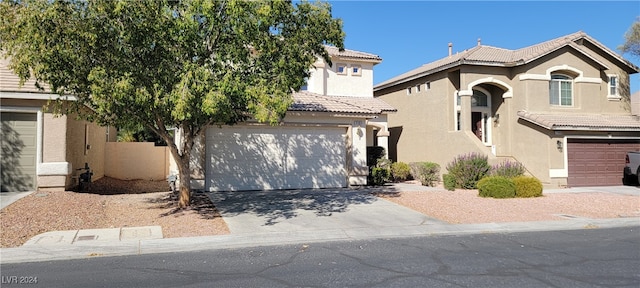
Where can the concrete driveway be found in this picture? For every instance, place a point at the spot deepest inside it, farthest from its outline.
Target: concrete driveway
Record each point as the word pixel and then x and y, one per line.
pixel 313 211
pixel 623 190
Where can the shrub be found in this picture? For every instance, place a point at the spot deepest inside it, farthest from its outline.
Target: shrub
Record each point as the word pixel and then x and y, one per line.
pixel 373 154
pixel 496 187
pixel 527 186
pixel 468 169
pixel 508 169
pixel 379 176
pixel 426 172
pixel 400 171
pixel 449 182
pixel 384 163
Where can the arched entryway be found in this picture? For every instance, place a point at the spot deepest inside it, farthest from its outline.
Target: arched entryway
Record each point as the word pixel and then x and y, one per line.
pixel 481 115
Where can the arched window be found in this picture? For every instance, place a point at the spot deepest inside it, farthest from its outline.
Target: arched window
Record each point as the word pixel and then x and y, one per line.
pixel 479 99
pixel 561 90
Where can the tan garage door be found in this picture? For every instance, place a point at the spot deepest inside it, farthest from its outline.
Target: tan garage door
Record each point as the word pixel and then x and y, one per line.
pixel 597 162
pixel 18 151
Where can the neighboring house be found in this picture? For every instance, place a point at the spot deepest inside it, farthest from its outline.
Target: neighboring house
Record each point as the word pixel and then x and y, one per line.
pixel 560 107
pixel 635 103
pixel 39 150
pixel 321 143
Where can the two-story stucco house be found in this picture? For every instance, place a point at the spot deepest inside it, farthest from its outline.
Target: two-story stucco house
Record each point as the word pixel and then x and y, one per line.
pixel 321 143
pixel 41 150
pixel 560 107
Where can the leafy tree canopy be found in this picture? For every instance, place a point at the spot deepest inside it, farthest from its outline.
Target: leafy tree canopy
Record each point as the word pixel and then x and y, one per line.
pixel 169 63
pixel 632 40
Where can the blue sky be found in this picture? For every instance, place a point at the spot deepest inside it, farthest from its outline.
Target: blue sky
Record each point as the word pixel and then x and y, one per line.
pixel 407 34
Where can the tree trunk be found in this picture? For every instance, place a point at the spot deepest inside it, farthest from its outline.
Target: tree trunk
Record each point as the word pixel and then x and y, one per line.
pixel 184 196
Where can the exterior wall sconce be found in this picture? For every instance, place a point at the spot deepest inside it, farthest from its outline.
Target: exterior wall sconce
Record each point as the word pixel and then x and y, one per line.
pixel 559 145
pixel 496 119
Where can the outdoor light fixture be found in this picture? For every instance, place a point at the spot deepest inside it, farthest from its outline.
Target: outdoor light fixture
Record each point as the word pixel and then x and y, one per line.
pixel 559 145
pixel 496 118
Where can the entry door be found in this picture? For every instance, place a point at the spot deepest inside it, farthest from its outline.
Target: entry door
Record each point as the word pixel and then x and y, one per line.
pixel 480 126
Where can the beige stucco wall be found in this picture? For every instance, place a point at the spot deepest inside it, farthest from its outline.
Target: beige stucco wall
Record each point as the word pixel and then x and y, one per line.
pixel 78 154
pixel 325 81
pixel 136 160
pixel 428 123
pixel 427 119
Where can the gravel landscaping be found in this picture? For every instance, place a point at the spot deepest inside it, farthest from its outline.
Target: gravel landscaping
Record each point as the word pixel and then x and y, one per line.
pixel 111 203
pixel 466 207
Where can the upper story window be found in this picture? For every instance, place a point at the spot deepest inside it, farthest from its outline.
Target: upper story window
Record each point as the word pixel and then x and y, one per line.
pixel 479 99
pixel 341 69
pixel 427 85
pixel 614 85
pixel 408 90
pixel 356 70
pixel 418 88
pixel 561 90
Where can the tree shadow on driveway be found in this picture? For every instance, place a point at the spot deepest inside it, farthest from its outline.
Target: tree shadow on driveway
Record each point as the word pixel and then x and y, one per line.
pixel 275 206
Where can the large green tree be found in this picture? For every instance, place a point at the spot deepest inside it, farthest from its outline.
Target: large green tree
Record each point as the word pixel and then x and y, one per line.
pixel 164 64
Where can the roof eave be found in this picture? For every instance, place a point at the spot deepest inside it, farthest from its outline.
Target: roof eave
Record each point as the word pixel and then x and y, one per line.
pixel 632 68
pixel 384 85
pixel 359 59
pixel 599 129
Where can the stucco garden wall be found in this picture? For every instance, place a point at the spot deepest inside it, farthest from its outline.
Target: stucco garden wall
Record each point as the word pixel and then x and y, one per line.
pixel 136 160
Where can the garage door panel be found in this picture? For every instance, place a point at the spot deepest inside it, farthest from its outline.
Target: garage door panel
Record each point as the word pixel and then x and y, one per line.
pixel 19 132
pixel 595 162
pixel 266 158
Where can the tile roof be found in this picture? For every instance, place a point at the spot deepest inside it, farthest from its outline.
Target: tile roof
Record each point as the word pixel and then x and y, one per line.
pixel 353 54
pixel 493 56
pixel 312 102
pixel 592 122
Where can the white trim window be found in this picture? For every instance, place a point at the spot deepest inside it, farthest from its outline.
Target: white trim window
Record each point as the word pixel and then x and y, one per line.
pixel 614 86
pixel 341 69
pixel 409 90
pixel 418 88
pixel 561 90
pixel 427 85
pixel 356 70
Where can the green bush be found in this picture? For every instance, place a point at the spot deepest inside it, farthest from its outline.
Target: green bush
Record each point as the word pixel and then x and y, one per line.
pixel 449 182
pixel 400 171
pixel 496 187
pixel 527 186
pixel 426 172
pixel 379 176
pixel 374 155
pixel 508 169
pixel 468 169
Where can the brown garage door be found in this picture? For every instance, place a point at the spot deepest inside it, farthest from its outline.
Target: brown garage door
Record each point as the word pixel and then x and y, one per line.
pixel 597 162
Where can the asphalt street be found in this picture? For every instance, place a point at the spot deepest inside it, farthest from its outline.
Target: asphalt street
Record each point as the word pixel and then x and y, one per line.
pixel 571 258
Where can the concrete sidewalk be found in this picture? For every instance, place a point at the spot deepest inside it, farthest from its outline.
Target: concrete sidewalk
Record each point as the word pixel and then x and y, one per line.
pixel 290 217
pixel 91 236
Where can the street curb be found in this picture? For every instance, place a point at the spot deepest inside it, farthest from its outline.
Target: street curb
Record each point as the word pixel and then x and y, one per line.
pixel 39 253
